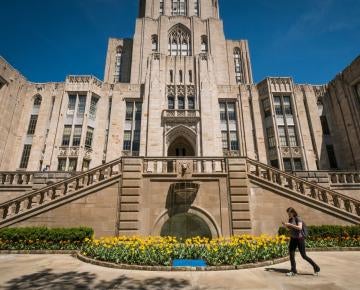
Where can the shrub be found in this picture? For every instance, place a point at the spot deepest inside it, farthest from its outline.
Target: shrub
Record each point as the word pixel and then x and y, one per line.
pixel 41 238
pixel 328 231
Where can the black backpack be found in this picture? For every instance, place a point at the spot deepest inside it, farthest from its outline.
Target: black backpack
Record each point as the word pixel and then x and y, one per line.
pixel 304 230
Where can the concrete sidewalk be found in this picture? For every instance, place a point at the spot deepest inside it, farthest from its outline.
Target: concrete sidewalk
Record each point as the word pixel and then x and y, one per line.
pixel 339 270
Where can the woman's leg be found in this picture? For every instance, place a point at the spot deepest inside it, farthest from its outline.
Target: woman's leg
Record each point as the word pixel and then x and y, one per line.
pixel 302 251
pixel 292 248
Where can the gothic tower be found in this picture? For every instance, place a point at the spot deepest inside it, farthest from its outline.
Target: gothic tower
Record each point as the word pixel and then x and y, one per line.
pixel 180 57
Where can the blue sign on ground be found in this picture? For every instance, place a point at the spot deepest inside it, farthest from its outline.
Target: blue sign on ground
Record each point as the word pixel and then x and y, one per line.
pixel 189 263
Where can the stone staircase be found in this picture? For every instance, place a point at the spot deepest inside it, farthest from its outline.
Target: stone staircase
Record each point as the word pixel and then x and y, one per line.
pixel 57 194
pixel 128 172
pixel 308 193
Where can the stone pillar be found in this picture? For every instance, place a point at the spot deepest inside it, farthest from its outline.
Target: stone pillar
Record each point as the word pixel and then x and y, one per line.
pixel 131 183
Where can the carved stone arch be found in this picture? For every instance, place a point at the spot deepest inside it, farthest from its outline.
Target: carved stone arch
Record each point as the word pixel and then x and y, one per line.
pixel 181 131
pixel 37 99
pixel 194 210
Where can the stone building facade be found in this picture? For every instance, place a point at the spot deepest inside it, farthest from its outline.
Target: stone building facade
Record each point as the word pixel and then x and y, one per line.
pixel 180 90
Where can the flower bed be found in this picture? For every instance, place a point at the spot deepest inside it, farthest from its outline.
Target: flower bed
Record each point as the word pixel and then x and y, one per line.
pixel 41 238
pixel 160 251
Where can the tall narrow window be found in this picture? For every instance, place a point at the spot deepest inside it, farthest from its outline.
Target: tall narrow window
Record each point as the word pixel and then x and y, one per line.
pixel 32 124
pixel 179 41
pixel 229 130
pixel 292 136
pixel 325 125
pixel 81 106
pixel 287 164
pixel 267 108
pixel 287 106
pixel 297 164
pixel 71 104
pixel 25 156
pixel 118 58
pixel 77 136
pixel 89 137
pixel 93 107
pixel 190 76
pixel 238 66
pixel 127 141
pixel 61 164
pixel 131 142
pixel 154 43
pixel 129 111
pixel 224 140
pixel 234 143
pixel 191 103
pixel 282 136
pixel 271 137
pixel 181 103
pixel 331 155
pixel 196 8
pixel 180 76
pixel 179 7
pixel 66 136
pixel 278 106
pixel 204 44
pixel 171 76
pixel 171 103
pixel 136 143
pixel 72 164
pixel 161 7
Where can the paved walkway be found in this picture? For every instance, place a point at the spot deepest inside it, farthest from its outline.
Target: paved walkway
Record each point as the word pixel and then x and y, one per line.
pixel 339 270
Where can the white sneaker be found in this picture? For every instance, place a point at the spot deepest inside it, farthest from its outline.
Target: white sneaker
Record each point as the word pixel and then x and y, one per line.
pixel 290 274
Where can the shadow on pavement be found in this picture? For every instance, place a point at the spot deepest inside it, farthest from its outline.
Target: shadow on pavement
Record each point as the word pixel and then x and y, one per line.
pixel 284 271
pixel 47 279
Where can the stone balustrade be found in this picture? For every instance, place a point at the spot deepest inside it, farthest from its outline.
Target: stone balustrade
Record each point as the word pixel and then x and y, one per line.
pixel 87 79
pixel 344 177
pixel 16 178
pixel 39 198
pixel 303 187
pixel 176 165
pixel 181 114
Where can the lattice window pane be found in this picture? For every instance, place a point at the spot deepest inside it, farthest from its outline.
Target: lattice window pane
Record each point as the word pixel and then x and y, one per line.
pixel 287 164
pixel 224 140
pixel 282 136
pixel 71 104
pixel 93 108
pixel 129 111
pixel 72 164
pixel 292 136
pixel 32 125
pixel 171 103
pixel 77 136
pixel 81 106
pixel 127 141
pixel 181 103
pixel 61 164
pixel 191 103
pixel 25 156
pixel 66 135
pixel 234 141
pixel 89 137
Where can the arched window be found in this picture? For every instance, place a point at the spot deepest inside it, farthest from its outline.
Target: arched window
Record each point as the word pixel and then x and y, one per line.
pixel 37 101
pixel 179 40
pixel 154 42
pixel 178 7
pixel 204 44
pixel 118 57
pixel 238 66
pixel 196 8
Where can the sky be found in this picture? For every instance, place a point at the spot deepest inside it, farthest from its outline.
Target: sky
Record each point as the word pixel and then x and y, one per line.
pixel 309 40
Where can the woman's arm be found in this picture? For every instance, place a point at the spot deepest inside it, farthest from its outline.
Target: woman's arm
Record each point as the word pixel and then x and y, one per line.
pixel 297 227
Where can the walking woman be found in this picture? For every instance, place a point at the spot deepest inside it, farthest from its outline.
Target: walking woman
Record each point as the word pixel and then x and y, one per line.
pixel 297 240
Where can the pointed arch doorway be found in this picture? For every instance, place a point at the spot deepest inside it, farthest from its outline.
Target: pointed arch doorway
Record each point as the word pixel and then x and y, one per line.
pixel 181 142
